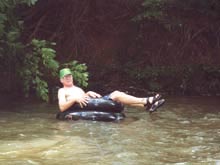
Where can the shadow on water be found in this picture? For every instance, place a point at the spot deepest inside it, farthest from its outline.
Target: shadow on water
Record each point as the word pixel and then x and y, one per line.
pixel 183 131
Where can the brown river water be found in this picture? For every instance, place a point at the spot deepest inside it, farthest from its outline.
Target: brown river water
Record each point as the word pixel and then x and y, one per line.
pixel 186 130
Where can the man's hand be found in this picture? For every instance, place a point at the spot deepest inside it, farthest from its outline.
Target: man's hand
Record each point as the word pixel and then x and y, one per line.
pixel 83 101
pixel 93 94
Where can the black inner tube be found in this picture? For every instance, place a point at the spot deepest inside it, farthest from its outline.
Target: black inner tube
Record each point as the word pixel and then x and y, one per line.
pixel 100 104
pixel 98 109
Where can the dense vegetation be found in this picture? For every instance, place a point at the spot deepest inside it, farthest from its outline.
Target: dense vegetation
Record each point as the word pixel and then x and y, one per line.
pixel 28 67
pixel 170 46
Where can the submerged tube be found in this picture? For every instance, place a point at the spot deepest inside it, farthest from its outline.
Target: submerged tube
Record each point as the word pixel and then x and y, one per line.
pixel 98 109
pixel 91 115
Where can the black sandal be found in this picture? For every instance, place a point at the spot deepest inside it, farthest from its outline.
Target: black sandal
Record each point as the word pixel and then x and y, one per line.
pixel 148 105
pixel 156 105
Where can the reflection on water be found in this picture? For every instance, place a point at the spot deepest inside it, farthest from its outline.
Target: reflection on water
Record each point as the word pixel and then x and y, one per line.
pixel 184 131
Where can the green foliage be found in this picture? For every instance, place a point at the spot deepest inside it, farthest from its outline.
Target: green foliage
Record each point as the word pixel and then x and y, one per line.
pixel 29 2
pixel 33 63
pixel 9 3
pixel 151 9
pixel 42 47
pixel 2 26
pixel 11 49
pixel 38 66
pixel 79 71
pixel 202 5
pixel 184 80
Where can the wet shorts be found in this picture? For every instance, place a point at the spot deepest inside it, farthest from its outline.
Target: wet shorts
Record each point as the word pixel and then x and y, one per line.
pixel 107 97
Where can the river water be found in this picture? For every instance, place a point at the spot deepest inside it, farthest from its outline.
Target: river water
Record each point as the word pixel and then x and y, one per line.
pixel 184 131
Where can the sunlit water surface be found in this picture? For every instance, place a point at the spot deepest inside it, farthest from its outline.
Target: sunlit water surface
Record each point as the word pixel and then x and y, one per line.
pixel 184 131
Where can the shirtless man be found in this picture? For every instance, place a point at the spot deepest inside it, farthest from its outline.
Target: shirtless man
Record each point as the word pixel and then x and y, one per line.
pixel 71 94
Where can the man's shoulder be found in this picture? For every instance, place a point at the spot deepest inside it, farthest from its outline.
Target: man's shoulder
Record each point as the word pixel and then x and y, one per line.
pixel 60 90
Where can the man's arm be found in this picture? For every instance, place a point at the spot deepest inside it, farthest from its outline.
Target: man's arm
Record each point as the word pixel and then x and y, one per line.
pixel 63 103
pixel 93 94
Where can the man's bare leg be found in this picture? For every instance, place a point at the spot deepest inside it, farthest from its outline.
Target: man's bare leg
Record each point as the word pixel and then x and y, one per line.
pixel 130 100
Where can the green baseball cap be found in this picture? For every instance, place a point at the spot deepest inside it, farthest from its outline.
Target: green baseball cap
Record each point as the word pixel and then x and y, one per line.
pixel 64 72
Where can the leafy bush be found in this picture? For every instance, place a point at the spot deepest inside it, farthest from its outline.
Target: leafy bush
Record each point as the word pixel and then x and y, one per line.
pixel 183 80
pixel 38 66
pixel 29 66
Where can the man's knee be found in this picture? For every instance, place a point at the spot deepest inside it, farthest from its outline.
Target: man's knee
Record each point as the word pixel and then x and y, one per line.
pixel 115 95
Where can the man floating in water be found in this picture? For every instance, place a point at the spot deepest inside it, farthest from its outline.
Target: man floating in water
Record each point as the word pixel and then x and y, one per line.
pixel 70 94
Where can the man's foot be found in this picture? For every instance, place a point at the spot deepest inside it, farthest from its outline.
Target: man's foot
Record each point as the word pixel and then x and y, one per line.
pixel 151 100
pixel 156 105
